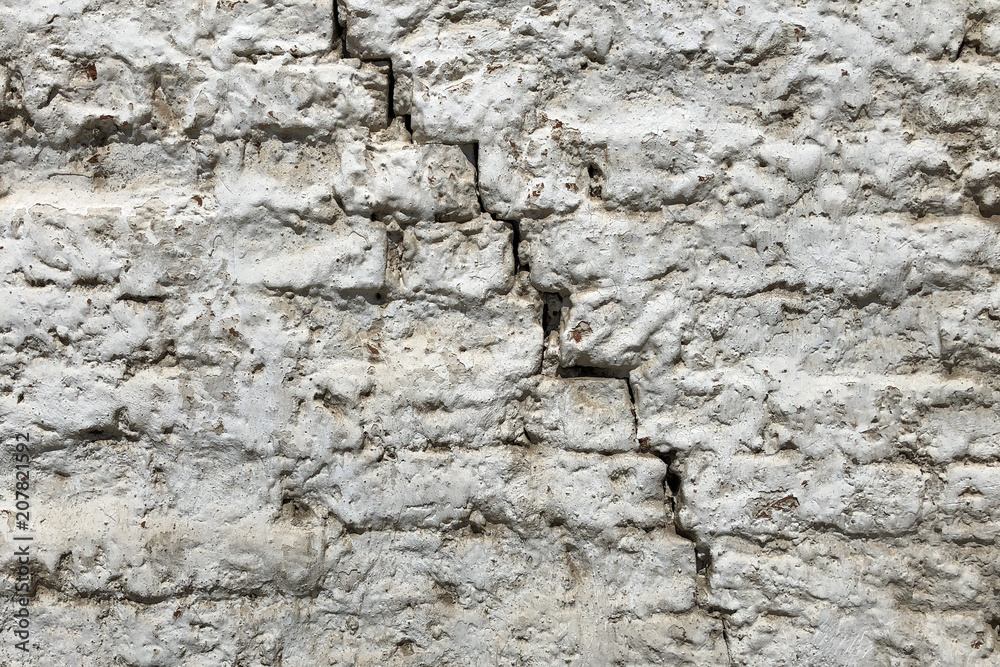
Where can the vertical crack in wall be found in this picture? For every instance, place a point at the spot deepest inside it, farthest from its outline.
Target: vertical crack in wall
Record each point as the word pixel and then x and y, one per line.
pixel 391 77
pixel 516 233
pixel 674 496
pixel 551 313
pixel 552 304
pixel 673 489
pixel 340 32
pixel 340 29
pixel 471 150
pixel 472 153
pixel 596 181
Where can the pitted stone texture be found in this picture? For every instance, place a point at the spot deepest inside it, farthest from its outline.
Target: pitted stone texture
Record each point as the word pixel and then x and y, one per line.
pixel 507 332
pixel 409 182
pixel 582 414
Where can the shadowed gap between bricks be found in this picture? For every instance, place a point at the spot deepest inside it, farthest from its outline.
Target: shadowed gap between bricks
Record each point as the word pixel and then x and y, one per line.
pixel 340 32
pixel 470 150
pixel 551 314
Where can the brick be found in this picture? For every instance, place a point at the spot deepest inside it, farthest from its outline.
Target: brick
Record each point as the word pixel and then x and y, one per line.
pixel 349 256
pixel 467 261
pixel 415 182
pixel 586 492
pixel 582 414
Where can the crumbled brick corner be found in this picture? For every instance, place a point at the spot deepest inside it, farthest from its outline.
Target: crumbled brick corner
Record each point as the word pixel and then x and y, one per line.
pixel 502 333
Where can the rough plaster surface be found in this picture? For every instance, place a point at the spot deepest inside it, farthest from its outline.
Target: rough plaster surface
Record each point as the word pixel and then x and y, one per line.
pixel 503 332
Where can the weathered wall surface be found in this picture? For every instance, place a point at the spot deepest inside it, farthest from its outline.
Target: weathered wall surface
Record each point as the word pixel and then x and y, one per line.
pixel 503 332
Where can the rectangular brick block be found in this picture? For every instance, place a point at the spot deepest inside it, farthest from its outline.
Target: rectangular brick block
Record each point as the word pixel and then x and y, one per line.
pixel 410 182
pixel 348 255
pixel 467 261
pixel 582 414
pixel 588 492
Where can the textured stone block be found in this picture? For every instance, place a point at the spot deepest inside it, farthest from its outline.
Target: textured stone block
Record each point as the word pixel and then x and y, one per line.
pixel 582 414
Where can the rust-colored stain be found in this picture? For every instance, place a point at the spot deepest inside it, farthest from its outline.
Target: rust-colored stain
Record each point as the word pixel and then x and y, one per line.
pixel 786 503
pixel 579 331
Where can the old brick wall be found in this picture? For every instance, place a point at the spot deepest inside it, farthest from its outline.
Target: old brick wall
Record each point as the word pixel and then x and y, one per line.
pixel 503 332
